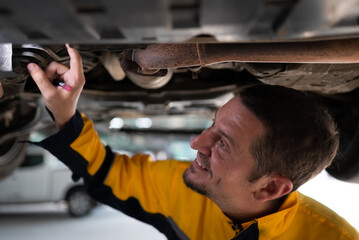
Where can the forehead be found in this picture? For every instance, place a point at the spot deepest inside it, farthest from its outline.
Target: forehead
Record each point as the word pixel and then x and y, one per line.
pixel 238 121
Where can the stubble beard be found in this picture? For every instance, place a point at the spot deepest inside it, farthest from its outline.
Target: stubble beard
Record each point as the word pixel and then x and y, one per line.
pixel 199 188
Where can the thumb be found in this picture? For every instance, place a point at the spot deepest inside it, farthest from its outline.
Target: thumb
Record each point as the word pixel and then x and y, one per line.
pixel 40 78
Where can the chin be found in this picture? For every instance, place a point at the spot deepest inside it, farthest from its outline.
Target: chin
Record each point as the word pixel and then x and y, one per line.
pixel 190 183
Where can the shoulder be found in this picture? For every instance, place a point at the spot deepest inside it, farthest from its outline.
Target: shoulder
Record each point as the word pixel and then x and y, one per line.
pixel 169 164
pixel 162 170
pixel 323 221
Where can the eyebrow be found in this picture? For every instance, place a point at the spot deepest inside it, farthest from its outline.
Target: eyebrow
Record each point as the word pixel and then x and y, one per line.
pixel 231 141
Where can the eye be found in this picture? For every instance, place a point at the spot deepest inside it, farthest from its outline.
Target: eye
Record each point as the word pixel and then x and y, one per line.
pixel 222 144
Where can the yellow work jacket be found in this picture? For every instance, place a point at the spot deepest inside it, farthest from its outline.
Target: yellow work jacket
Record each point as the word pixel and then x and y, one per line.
pixel 154 192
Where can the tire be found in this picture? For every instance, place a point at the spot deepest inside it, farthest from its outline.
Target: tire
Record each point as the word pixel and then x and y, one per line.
pixel 16 118
pixel 12 154
pixel 79 202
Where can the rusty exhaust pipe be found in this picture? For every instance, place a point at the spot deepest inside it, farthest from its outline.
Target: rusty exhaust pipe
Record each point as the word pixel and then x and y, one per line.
pixel 165 56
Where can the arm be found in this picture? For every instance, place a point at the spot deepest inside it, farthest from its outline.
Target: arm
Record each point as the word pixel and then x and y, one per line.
pixel 145 190
pixel 135 185
pixel 152 192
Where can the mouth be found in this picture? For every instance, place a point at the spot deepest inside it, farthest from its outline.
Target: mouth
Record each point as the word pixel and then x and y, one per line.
pixel 200 165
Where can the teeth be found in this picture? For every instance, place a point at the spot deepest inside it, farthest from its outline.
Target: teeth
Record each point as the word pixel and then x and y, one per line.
pixel 200 164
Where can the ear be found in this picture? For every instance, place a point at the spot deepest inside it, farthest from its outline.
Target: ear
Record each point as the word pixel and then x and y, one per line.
pixel 272 188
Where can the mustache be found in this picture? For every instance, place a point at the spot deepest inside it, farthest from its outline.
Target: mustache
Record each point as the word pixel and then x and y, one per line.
pixel 201 155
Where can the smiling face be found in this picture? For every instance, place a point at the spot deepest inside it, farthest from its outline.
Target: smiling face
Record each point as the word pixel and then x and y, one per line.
pixel 224 162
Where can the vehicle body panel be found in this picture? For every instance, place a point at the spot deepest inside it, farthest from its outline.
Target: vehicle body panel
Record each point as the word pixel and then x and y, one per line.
pixel 48 181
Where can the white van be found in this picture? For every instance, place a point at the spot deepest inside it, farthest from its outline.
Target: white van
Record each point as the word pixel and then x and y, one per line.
pixel 43 178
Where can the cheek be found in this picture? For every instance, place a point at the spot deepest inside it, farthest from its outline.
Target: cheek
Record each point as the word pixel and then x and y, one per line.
pixel 230 170
pixel 220 167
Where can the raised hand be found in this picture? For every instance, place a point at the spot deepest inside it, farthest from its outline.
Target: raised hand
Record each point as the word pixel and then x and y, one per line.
pixel 60 100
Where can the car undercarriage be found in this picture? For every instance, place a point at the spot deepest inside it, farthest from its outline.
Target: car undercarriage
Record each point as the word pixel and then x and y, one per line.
pixel 180 58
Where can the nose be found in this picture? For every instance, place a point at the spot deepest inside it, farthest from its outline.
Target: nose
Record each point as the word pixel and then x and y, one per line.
pixel 203 142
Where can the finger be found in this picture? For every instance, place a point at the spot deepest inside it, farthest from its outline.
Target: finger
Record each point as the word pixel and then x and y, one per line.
pixel 75 59
pixel 55 70
pixel 40 78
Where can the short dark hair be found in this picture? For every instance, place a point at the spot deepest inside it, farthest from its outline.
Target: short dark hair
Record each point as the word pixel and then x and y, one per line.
pixel 301 137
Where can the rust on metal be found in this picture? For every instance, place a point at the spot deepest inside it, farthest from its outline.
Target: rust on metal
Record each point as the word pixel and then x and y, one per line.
pixel 165 56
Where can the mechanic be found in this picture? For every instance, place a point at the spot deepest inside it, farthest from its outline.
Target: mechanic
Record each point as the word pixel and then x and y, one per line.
pixel 263 144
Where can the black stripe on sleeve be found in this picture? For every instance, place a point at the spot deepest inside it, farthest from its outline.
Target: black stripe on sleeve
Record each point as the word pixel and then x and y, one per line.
pixel 59 145
pixel 101 174
pixel 130 207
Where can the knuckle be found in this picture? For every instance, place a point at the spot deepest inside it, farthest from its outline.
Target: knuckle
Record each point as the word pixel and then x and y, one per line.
pixel 52 64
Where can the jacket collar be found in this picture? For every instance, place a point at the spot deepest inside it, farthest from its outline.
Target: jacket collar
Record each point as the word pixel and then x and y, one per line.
pixel 276 223
pixel 273 225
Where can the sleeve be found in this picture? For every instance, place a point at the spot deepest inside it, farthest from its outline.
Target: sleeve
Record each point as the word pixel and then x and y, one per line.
pixel 78 146
pixel 136 186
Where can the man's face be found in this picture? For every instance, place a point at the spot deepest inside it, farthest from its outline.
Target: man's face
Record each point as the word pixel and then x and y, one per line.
pixel 224 162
